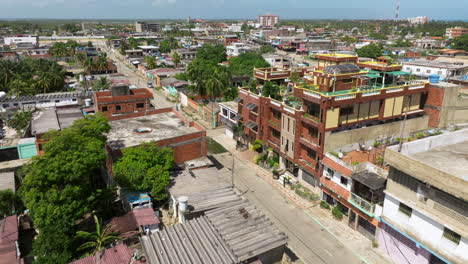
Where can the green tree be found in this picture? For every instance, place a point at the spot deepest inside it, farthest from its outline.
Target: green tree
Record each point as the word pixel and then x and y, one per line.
pixel 57 186
pixel 266 49
pixel 10 203
pixel 176 59
pixel 101 84
pixel 90 44
pixel 370 51
pixel 133 43
pixel 98 239
pixel 245 63
pixel 145 168
pixel 150 62
pixel 271 90
pixel 20 121
pixel 459 43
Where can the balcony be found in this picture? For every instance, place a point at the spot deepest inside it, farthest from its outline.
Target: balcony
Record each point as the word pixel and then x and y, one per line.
pixel 362 204
pixel 268 74
pixel 274 123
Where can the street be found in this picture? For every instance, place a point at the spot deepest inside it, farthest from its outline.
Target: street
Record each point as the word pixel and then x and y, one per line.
pixel 308 240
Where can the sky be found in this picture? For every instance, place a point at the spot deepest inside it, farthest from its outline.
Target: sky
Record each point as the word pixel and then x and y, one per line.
pixel 232 9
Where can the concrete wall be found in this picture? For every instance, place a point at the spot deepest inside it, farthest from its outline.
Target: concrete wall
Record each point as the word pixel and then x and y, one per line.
pixel 368 135
pixel 447 104
pixel 425 230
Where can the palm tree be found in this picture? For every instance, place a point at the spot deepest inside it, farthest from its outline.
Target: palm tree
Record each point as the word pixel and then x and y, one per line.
pixel 80 58
pixel 150 62
pixel 101 64
pixel 101 84
pixel 89 64
pixel 44 82
pixel 214 88
pixel 176 59
pixel 98 239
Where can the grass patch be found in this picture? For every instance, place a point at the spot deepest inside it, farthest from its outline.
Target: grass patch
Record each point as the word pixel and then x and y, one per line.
pixel 214 147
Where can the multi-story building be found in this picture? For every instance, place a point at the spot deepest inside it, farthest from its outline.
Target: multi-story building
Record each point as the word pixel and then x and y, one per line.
pixel 147 27
pixel 271 74
pixel 236 49
pixel 335 106
pixel 425 212
pixel 426 68
pixel 122 102
pixel 456 32
pixel 268 20
pixel 16 40
pixel 417 20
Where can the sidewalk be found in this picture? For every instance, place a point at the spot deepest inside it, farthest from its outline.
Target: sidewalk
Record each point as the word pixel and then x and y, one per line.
pixel 351 238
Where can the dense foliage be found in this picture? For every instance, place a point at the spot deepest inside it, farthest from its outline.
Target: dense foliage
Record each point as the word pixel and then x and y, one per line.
pixel 10 203
pixel 61 186
pixel 61 49
pixel 245 63
pixel 20 121
pixel 370 51
pixel 145 168
pixel 29 77
pixel 460 43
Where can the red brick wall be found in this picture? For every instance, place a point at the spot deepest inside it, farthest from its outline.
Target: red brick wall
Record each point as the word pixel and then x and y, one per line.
pixel 138 114
pixel 435 97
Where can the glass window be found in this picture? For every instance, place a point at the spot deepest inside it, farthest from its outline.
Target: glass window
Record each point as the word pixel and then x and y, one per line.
pixel 311 153
pixel 104 108
pixel 330 172
pixel 232 115
pixel 118 107
pixel 344 180
pixel 225 112
pixel 140 105
pixel 346 110
pixel 275 133
pixel 451 235
pixel 403 208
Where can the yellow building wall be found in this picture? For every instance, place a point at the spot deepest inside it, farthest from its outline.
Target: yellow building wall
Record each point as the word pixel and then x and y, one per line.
pixel 332 117
pixel 374 109
pixel 354 116
pixel 398 106
pixel 364 111
pixel 388 110
pixel 415 102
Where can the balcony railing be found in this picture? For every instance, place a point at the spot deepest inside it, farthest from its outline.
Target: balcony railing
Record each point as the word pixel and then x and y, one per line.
pixel 365 206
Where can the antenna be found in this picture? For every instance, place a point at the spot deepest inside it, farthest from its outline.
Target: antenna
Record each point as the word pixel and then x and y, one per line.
pixel 397 13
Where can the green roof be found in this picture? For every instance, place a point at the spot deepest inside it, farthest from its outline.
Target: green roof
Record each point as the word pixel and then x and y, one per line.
pixel 397 73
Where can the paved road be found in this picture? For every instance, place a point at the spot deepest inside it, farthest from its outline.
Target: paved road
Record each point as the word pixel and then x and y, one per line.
pixel 308 240
pixel 131 74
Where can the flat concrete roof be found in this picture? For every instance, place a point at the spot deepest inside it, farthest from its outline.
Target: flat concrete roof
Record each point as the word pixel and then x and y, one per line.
pixel 54 119
pixel 199 181
pixel 7 181
pixel 123 133
pixel 452 159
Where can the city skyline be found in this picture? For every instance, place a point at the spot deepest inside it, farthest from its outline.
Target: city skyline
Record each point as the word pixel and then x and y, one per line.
pixel 222 9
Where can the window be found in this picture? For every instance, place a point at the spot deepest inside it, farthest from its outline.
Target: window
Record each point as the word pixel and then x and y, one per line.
pixel 346 110
pixel 140 105
pixel 330 172
pixel 347 81
pixel 74 99
pixel 311 153
pixel 408 68
pixel 344 180
pixel 276 114
pixel 118 108
pixel 428 71
pixel 418 70
pixel 403 208
pixel 232 115
pixel 313 132
pixel 15 104
pixel 439 72
pixel 275 133
pixel 313 109
pixel 451 235
pixel 6 105
pixel 104 108
pixel 57 101
pixel 225 112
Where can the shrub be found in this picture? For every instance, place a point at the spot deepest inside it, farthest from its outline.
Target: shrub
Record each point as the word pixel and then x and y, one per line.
pixel 305 193
pixel 376 144
pixel 336 212
pixel 324 205
pixel 355 163
pixel 379 160
pixel 257 158
pixel 333 153
pixel 420 135
pixel 257 145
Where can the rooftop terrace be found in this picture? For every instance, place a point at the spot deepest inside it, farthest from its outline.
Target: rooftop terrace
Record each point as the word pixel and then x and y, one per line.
pixel 135 131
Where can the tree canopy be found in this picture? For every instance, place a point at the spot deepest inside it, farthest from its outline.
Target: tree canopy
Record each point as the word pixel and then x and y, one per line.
pixel 20 121
pixel 145 168
pixel 10 203
pixel 266 49
pixel 245 63
pixel 31 76
pixel 460 43
pixel 370 51
pixel 59 186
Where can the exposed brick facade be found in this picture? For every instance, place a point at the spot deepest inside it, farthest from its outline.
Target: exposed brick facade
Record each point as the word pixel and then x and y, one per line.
pixel 433 106
pixel 111 105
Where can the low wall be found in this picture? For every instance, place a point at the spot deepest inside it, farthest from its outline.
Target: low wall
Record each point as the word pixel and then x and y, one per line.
pixel 367 135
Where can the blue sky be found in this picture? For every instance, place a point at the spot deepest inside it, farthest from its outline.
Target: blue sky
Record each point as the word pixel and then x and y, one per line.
pixel 289 9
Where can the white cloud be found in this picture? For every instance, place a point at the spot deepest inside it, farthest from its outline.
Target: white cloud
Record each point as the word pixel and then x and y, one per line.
pixel 163 2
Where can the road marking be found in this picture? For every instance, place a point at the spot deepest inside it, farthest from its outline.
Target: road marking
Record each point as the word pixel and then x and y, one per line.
pixel 331 233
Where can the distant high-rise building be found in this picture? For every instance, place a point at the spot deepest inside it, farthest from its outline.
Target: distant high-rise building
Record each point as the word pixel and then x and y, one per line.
pixel 147 27
pixel 268 20
pixel 456 32
pixel 417 20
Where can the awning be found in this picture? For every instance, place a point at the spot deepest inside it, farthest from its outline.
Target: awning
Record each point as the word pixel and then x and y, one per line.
pixel 251 125
pixel 372 76
pixel 251 106
pixel 369 179
pixel 237 118
pixel 398 73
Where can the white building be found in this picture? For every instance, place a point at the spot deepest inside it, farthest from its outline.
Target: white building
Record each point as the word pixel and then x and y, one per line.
pixel 425 214
pixel 41 100
pixel 417 20
pixel 237 48
pixel 21 40
pixel 229 116
pixel 268 20
pixel 425 68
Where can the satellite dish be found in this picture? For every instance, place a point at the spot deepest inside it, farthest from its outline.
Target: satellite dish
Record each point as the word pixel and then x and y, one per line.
pixel 340 155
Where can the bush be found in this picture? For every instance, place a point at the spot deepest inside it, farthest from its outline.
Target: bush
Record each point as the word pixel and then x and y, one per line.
pixel 305 193
pixel 324 205
pixel 376 144
pixel 257 158
pixel 257 145
pixel 336 212
pixel 420 135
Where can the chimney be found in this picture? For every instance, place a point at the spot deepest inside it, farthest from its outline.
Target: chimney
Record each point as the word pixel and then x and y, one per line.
pixel 183 208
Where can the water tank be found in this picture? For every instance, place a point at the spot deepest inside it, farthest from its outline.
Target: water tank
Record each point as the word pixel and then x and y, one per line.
pixel 2 94
pixel 183 203
pixel 120 90
pixel 87 102
pixel 434 78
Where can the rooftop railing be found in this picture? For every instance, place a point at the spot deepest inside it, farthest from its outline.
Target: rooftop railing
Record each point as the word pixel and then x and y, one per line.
pixel 361 203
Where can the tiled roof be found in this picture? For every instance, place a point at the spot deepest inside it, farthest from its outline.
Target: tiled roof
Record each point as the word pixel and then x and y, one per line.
pixel 119 254
pixel 8 237
pixel 336 167
pixel 133 219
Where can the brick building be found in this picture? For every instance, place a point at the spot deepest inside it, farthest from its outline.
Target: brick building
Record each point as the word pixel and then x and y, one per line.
pixel 456 32
pixel 121 102
pixel 338 97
